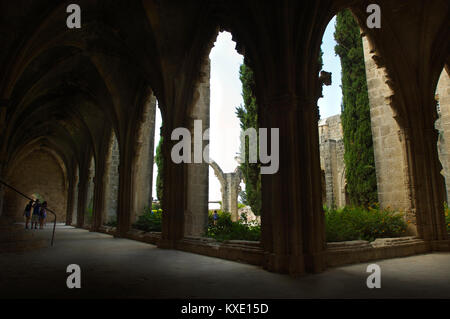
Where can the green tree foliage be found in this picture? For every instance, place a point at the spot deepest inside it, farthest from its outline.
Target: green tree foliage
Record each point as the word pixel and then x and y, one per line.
pixel 359 158
pixel 248 116
pixel 159 159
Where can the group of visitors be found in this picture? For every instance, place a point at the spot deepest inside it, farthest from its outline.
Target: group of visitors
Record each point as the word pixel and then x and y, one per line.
pixel 39 214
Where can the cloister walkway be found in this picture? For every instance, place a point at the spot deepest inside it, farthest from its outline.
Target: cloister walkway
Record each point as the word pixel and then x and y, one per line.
pixel 123 268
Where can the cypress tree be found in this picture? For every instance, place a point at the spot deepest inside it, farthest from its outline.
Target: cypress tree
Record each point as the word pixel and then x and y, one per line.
pixel 248 116
pixel 359 158
pixel 159 163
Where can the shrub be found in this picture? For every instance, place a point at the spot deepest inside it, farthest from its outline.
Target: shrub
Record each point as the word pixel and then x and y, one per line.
pixel 447 216
pixel 150 220
pixel 352 223
pixel 225 229
pixel 112 222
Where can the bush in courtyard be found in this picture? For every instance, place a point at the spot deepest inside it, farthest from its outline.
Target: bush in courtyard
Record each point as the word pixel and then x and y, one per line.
pixel 447 216
pixel 225 229
pixel 150 220
pixel 352 223
pixel 112 222
pixel 156 206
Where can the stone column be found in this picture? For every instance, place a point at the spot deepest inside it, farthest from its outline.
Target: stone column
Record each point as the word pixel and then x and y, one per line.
pixel 197 184
pixel 4 103
pixel 427 182
pixel 136 165
pixel 388 141
pixel 82 195
pixel 293 235
pixel 126 202
pixel 173 203
pixel 70 198
pixel 144 160
pixel 234 180
pixel 99 188
pixel 112 187
pixel 443 126
pixel 328 150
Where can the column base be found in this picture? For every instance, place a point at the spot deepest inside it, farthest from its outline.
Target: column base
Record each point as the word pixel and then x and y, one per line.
pixel 315 263
pixel 440 245
pixel 286 264
pixel 167 244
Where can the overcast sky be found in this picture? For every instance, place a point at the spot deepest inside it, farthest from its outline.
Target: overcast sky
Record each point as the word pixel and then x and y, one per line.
pixel 226 95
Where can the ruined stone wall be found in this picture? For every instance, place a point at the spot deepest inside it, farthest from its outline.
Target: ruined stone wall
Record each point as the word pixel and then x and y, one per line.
pixel 390 159
pixel 112 181
pixel 443 126
pixel 196 211
pixel 38 173
pixel 332 160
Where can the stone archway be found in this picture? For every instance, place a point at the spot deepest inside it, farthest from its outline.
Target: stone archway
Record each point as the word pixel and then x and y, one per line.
pixel 230 189
pixel 37 173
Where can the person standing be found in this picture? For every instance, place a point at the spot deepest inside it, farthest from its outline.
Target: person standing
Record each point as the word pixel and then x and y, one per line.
pixel 27 213
pixel 215 217
pixel 42 215
pixel 36 213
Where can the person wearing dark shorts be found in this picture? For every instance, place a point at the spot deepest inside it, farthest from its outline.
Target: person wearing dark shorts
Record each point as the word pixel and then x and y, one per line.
pixel 36 214
pixel 27 213
pixel 42 215
pixel 215 217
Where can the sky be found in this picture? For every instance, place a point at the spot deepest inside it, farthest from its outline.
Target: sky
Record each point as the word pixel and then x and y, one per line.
pixel 226 95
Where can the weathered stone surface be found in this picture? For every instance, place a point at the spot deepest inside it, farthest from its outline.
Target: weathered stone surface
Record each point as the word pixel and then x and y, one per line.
pixel 66 89
pixel 332 161
pixel 443 126
pixel 230 189
pixel 38 173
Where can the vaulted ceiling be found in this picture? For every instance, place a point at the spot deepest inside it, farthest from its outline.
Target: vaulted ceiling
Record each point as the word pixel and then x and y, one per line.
pixel 67 87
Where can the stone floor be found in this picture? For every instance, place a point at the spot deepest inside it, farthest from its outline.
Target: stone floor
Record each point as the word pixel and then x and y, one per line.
pixel 122 268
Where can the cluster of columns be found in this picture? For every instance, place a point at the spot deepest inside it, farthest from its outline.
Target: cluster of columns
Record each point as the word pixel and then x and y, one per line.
pixel 96 173
pixel 284 61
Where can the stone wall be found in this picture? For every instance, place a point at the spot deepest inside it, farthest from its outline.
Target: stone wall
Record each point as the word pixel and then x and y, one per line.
pixel 443 126
pixel 196 209
pixel 389 151
pixel 38 173
pixel 332 160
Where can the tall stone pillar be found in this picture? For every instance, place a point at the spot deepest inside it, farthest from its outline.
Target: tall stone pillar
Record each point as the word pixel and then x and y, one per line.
pixel 427 182
pixel 126 203
pixel 197 183
pixel 443 126
pixel 328 149
pixel 136 165
pixel 174 195
pixel 70 198
pixel 293 236
pixel 112 167
pixel 388 141
pixel 82 195
pixel 145 159
pixel 99 189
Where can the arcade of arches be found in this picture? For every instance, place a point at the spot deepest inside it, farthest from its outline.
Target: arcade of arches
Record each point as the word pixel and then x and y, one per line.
pixel 72 97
